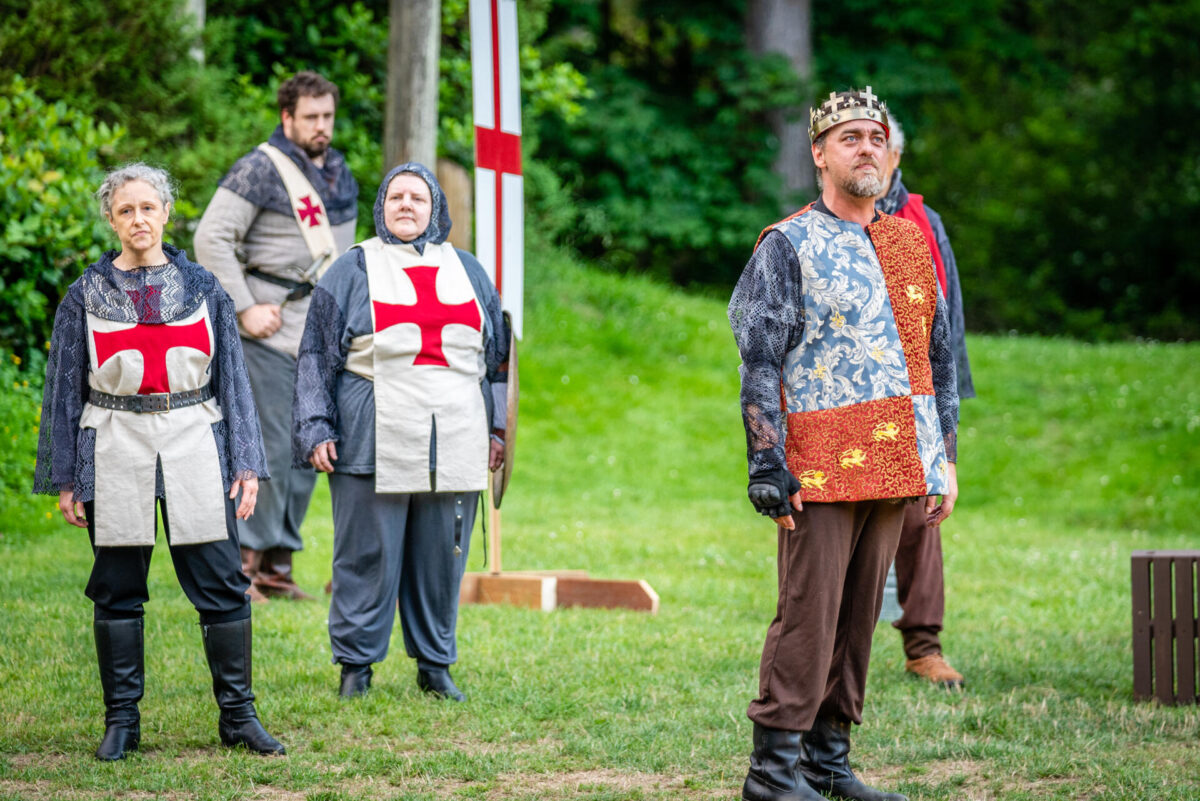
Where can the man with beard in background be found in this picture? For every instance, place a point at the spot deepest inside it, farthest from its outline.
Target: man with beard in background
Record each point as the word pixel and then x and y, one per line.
pixel 281 215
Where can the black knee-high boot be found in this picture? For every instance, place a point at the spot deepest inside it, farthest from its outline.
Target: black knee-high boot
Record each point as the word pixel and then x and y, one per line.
pixel 227 646
pixel 825 762
pixel 774 770
pixel 119 649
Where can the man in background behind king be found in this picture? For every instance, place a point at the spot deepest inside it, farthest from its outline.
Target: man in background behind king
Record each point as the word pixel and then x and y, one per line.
pixel 281 215
pixel 920 584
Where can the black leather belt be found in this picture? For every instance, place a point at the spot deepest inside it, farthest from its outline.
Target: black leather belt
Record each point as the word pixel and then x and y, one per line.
pixel 154 403
pixel 298 289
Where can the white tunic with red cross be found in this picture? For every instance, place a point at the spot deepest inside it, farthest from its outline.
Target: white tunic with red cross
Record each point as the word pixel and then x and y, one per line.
pixel 144 359
pixel 426 360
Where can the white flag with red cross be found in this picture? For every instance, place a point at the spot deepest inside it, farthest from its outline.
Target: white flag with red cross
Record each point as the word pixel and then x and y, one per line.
pixel 499 186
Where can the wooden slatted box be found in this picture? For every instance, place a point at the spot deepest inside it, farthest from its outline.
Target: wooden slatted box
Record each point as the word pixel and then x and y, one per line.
pixel 1166 627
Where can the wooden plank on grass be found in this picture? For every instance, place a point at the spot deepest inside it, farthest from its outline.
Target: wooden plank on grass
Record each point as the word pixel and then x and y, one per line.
pixel 607 594
pixel 1164 656
pixel 532 592
pixel 1143 686
pixel 1185 629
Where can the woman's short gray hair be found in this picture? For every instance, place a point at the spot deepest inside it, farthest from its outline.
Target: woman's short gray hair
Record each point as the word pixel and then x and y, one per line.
pixel 158 178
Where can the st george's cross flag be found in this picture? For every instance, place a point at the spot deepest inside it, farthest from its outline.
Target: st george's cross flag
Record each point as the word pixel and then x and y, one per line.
pixel 499 186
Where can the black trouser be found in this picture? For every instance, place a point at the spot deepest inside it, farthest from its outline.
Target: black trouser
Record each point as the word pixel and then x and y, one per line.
pixel 210 574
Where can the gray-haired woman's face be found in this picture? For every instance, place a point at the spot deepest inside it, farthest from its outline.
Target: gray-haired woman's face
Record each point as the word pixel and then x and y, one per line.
pixel 138 216
pixel 407 206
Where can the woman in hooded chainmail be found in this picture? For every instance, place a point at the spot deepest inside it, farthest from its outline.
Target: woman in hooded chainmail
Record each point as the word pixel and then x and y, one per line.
pixel 402 357
pixel 147 403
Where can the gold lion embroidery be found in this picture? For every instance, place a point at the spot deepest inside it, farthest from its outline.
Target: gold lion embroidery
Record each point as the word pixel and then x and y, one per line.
pixel 853 458
pixel 915 294
pixel 884 431
pixel 812 479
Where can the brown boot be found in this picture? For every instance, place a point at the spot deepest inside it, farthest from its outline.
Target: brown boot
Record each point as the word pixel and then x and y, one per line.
pixel 275 576
pixel 251 560
pixel 936 669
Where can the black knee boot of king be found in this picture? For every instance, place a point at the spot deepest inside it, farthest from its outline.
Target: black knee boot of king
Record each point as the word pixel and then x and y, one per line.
pixel 825 763
pixel 774 772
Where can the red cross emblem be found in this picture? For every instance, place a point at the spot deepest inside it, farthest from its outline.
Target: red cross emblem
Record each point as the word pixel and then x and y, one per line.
pixel 429 313
pixel 153 342
pixel 310 212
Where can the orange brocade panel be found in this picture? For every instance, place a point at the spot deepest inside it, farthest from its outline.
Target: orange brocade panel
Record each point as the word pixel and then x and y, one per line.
pixel 912 288
pixel 855 453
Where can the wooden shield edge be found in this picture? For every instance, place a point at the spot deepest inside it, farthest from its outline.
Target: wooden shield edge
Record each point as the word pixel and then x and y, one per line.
pixel 500 478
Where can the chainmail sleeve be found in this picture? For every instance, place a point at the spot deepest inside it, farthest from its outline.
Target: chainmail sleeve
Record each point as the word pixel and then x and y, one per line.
pixel 495 346
pixel 245 455
pixel 766 314
pixel 63 397
pixel 497 337
pixel 945 382
pixel 954 306
pixel 322 356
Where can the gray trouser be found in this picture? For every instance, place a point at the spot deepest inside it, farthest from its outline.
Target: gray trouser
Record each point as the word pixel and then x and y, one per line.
pixel 390 546
pixel 283 500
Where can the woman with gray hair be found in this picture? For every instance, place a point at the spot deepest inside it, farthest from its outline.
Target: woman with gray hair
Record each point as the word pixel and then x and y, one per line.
pixel 147 402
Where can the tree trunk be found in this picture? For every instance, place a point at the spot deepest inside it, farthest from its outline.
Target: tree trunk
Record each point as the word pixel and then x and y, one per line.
pixel 785 27
pixel 197 8
pixel 411 117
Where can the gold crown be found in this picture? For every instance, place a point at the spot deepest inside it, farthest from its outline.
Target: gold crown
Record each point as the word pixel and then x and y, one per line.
pixel 844 106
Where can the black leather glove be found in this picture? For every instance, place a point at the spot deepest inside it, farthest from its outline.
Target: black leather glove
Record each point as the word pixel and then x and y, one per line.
pixel 770 492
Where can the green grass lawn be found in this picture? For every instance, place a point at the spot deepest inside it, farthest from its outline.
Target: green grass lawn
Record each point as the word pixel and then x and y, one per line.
pixel 630 464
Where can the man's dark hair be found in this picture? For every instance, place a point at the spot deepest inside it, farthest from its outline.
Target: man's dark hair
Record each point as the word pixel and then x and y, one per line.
pixel 304 84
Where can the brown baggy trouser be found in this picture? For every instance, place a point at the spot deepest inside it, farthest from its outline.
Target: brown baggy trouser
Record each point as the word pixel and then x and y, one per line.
pixel 920 588
pixel 832 569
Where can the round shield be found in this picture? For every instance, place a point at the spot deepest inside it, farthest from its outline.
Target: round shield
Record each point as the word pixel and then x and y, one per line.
pixel 500 477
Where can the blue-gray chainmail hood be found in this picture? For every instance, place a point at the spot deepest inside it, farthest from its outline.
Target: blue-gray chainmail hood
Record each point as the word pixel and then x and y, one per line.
pixel 439 217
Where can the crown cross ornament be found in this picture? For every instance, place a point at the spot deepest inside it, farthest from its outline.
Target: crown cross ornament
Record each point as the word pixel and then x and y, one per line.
pixel 845 106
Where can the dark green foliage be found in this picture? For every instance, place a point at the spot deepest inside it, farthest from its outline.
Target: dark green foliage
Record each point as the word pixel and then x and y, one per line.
pixel 129 63
pixel 671 163
pixel 51 226
pixel 1053 138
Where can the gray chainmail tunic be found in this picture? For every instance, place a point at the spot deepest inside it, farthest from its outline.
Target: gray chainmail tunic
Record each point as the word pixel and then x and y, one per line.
pixel 153 295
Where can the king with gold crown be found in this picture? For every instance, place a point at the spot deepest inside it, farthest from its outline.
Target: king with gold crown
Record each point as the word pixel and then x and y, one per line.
pixel 850 409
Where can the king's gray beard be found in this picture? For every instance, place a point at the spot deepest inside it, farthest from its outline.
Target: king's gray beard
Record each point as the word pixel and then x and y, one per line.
pixel 866 186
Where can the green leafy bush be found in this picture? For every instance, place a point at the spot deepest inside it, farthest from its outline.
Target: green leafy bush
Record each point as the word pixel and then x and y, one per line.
pixel 50 229
pixel 671 162
pixel 20 410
